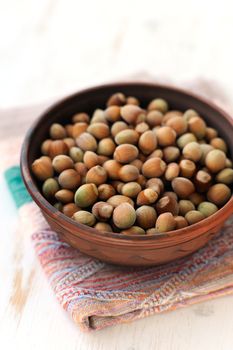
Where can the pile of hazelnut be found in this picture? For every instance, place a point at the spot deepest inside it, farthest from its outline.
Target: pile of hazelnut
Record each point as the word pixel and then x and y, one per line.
pixel 135 170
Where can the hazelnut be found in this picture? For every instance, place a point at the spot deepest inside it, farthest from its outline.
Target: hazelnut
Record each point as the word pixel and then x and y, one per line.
pixel 128 173
pixel 165 222
pixel 153 167
pixel 166 136
pixel 57 131
pixel 84 217
pixel 147 196
pixel 69 179
pixel 124 216
pixel 96 175
pixel 81 117
pixel 61 163
pixel 69 209
pixel 106 191
pixel 102 211
pixel 86 195
pixel 134 230
pixel 219 194
pixel 125 153
pixel 86 142
pixel 42 168
pixel 127 136
pixel 183 187
pixel 49 188
pixel 158 104
pixel 119 199
pixel 78 129
pixel 146 216
pixel 147 142
pixel 99 130
pixel 132 114
pixel 64 196
pixel 194 216
pixel 215 160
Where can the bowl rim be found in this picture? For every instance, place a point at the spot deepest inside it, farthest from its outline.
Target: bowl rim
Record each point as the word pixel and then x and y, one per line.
pixel 96 235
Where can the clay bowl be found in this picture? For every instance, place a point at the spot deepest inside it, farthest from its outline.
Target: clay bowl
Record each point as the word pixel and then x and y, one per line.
pixel 117 248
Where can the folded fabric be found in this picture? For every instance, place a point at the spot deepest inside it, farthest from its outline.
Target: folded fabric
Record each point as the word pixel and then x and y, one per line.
pixel 97 294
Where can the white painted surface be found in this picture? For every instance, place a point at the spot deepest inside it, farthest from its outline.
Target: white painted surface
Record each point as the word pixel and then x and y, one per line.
pixel 49 48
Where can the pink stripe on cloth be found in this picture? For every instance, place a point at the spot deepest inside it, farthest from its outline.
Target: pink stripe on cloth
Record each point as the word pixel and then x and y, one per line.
pixel 75 278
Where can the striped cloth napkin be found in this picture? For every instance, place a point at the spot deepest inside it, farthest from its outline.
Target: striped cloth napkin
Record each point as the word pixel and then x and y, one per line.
pixel 97 294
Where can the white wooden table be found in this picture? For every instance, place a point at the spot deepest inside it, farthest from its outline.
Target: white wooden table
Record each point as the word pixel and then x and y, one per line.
pixel 49 48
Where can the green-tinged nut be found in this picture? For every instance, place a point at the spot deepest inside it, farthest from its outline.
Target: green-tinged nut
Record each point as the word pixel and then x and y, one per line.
pixel 64 196
pixel 147 142
pixel 106 147
pixel 127 136
pixel 86 195
pixel 192 151
pixel 167 204
pixel 102 211
pixel 57 131
pixel 103 226
pixel 58 206
pixel 49 188
pixel 69 179
pixel 189 114
pixel 171 154
pixel 194 216
pixel 42 168
pixel 119 199
pixel 229 163
pixel 76 154
pixel 172 171
pixel 215 160
pixel 146 216
pixel 225 176
pixel 158 104
pixel 106 191
pixel 84 217
pixel 197 126
pixel 219 194
pixel 99 130
pixel 69 209
pixel 166 136
pixel 183 187
pixel 124 216
pixel 184 139
pixel 153 167
pixel 181 222
pixel 147 196
pixel 187 168
pixel 118 127
pixel 165 222
pixel 219 143
pixel 154 118
pixel 207 208
pixel 134 230
pixel 131 189
pixel 96 175
pixel 206 148
pixel 86 142
pixel 62 162
pixel 185 206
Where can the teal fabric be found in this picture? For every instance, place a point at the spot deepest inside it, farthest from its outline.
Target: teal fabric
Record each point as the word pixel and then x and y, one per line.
pixel 16 186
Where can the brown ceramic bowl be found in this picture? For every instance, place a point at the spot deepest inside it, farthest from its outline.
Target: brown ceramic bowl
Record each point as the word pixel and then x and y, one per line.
pixel 112 247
